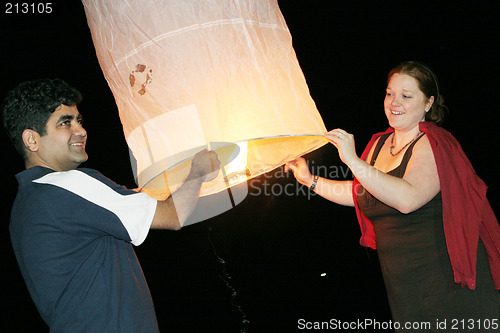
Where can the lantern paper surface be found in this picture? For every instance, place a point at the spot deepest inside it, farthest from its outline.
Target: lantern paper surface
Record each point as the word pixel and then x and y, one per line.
pixel 195 74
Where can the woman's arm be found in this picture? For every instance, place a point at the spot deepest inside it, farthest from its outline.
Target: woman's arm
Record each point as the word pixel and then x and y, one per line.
pixel 418 186
pixel 336 191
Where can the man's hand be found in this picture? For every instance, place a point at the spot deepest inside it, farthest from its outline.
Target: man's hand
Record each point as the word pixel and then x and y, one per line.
pixel 205 165
pixel 173 212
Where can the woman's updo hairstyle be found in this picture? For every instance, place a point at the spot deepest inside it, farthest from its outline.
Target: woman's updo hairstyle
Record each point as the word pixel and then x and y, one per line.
pixel 428 84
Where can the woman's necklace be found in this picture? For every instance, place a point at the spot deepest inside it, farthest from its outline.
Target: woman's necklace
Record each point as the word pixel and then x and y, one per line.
pixel 406 145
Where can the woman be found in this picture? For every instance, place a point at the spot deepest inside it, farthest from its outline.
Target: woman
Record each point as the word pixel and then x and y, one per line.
pixel 419 202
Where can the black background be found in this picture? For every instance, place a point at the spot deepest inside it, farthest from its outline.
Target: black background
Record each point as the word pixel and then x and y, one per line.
pixel 275 247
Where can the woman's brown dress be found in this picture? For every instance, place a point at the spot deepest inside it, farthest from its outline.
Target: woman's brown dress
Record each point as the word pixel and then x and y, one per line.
pixel 417 270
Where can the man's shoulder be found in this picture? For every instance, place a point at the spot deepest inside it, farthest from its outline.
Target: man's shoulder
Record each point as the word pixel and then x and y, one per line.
pixel 83 180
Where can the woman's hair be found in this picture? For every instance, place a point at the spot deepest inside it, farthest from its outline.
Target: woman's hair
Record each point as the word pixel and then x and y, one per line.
pixel 30 105
pixel 428 84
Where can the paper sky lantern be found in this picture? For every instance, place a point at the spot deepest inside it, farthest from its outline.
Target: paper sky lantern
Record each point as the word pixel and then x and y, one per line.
pixel 194 74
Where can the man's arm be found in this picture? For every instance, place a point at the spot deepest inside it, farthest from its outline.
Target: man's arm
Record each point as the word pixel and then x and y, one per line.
pixel 175 210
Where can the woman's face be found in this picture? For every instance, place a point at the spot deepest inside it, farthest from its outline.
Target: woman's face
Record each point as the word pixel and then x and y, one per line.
pixel 405 104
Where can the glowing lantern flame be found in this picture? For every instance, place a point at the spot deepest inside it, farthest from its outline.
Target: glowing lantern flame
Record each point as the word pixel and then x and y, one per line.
pixel 236 171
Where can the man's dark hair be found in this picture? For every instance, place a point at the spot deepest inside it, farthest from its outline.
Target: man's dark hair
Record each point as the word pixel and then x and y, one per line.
pixel 30 105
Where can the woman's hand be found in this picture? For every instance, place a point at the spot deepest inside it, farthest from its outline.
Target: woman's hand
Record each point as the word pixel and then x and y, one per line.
pixel 300 170
pixel 338 191
pixel 345 144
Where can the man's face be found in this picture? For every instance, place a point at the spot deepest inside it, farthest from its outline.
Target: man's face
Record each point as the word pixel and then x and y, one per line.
pixel 63 147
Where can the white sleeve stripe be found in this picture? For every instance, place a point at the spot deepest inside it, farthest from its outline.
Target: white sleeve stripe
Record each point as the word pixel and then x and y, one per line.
pixel 135 211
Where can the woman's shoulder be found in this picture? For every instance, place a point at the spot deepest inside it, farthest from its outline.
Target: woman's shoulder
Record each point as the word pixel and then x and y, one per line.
pixel 423 142
pixel 440 138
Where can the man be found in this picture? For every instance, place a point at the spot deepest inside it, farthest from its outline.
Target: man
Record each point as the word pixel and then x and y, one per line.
pixel 72 229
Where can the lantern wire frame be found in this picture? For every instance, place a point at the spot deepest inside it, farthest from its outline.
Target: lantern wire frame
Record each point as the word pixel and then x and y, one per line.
pixel 256 156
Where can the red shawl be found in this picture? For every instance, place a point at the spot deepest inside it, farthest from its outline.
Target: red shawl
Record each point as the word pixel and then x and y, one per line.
pixel 467 214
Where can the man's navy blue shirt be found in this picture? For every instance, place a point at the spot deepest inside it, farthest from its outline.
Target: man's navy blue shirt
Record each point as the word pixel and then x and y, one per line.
pixel 72 233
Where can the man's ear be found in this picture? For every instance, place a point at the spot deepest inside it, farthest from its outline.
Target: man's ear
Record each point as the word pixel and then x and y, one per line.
pixel 31 139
